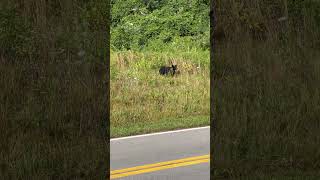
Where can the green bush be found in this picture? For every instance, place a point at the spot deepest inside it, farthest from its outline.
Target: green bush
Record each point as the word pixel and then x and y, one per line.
pixel 157 24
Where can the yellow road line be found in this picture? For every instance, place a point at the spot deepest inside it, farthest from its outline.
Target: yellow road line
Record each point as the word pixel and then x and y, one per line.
pixel 159 166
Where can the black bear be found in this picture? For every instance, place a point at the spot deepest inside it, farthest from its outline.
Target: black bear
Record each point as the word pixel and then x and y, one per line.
pixel 165 70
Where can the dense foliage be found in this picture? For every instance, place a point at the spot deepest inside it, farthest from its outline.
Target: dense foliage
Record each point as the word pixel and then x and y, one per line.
pixel 159 24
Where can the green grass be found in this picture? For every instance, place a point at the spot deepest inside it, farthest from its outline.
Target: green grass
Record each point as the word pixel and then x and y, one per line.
pixel 158 126
pixel 141 99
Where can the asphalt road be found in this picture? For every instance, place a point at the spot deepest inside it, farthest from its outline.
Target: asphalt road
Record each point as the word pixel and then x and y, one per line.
pixel 180 146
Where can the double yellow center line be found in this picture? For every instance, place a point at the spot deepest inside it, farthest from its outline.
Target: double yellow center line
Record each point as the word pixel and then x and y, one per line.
pixel 159 166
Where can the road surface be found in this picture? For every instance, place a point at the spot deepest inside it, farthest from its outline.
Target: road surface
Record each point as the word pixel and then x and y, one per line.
pixel 178 155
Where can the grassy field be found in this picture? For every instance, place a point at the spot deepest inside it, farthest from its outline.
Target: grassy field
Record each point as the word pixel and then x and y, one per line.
pixel 143 101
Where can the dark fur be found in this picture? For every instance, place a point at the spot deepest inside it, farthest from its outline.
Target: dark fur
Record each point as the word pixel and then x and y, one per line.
pixel 165 70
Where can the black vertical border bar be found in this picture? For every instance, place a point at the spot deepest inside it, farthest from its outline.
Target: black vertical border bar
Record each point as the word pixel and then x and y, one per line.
pixel 212 104
pixel 106 120
pixel 104 58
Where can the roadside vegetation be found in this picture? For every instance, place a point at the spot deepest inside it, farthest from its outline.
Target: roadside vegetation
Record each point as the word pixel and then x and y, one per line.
pixel 266 90
pixel 144 36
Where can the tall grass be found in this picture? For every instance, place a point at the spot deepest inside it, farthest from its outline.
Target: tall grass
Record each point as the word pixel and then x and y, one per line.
pixel 53 91
pixel 140 95
pixel 266 92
